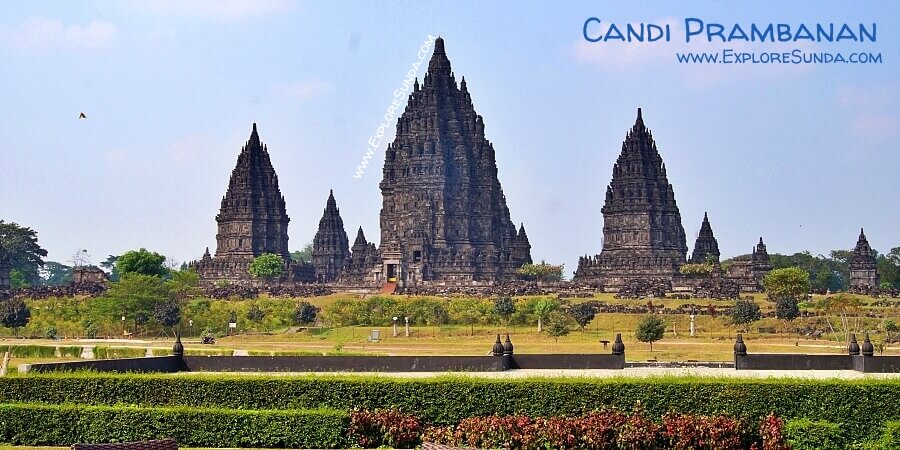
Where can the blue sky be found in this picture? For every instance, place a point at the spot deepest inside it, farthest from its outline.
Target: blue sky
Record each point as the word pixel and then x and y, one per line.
pixel 801 155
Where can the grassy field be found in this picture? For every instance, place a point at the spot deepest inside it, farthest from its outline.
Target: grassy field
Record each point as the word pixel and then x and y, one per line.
pixel 713 342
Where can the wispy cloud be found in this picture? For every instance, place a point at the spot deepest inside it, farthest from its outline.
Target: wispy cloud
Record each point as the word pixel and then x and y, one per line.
pixel 302 89
pixel 874 117
pixel 216 9
pixel 42 32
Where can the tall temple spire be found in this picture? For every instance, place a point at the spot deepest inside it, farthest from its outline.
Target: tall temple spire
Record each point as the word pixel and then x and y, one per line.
pixel 863 265
pixel 706 248
pixel 253 217
pixel 643 237
pixel 443 207
pixel 330 245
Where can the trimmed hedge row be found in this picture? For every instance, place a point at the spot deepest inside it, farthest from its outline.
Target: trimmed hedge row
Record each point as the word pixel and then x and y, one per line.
pixel 32 351
pixel 25 424
pixel 103 352
pixel 448 400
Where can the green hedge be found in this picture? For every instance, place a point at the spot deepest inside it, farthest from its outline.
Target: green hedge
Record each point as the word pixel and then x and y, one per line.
pixel 32 351
pixel 208 352
pixel 890 438
pixel 70 352
pixel 26 424
pixel 447 400
pixel 805 434
pixel 103 352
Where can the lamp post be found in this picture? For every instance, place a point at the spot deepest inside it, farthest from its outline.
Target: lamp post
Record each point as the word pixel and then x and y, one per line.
pixel 407 325
pixel 395 326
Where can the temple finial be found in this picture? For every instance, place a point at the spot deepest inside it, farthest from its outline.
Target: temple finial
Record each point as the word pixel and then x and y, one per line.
pixel 439 45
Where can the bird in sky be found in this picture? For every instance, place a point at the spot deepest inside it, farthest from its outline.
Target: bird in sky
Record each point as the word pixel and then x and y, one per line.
pixel 82 116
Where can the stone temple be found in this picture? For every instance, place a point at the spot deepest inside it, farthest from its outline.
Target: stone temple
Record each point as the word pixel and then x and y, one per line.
pixel 643 238
pixel 444 216
pixel 863 265
pixel 331 249
pixel 252 220
pixel 748 270
pixel 706 248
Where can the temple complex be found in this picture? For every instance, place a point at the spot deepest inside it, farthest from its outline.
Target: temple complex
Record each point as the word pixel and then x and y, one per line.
pixel 643 237
pixel 706 248
pixel 863 268
pixel 252 220
pixel 444 216
pixel 749 270
pixel 331 249
pixel 363 258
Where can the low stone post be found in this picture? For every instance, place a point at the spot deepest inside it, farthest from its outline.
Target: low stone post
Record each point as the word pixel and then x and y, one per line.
pixel 867 348
pixel 740 352
pixel 178 348
pixel 498 347
pixel 507 347
pixel 853 348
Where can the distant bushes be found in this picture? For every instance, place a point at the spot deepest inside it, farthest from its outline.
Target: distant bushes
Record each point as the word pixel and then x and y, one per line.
pixel 102 352
pixel 32 351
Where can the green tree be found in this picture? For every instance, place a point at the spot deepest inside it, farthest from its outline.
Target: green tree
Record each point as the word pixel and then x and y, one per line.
pixel 267 265
pixel 167 313
pixel 20 244
pixel 142 262
pixel 847 308
pixel 14 313
pixel 786 308
pixel 304 255
pixel 542 272
pixel 504 307
pixel 583 314
pixel 255 314
pixel 745 312
pixel 17 280
pixel 541 308
pixel 788 282
pixel 305 313
pixel 110 265
pixel 55 274
pixel 184 284
pixel 650 329
pixel 132 296
pixel 558 325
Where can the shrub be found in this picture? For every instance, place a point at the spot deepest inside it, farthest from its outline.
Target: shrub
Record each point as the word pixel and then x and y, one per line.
pixel 890 439
pixel 32 351
pixel 102 352
pixel 771 431
pixel 384 427
pixel 70 352
pixel 805 434
pixel 685 432
pixel 26 424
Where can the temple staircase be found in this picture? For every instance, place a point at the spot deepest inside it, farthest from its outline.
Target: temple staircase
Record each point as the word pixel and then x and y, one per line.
pixel 389 288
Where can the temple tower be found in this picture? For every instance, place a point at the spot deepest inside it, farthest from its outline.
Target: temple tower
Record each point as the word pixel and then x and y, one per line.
pixel 331 249
pixel 863 265
pixel 706 248
pixel 252 218
pixel 642 233
pixel 444 216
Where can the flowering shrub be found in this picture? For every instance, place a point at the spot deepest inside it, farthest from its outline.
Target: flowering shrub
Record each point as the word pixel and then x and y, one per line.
pixel 771 430
pixel 685 432
pixel 384 427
